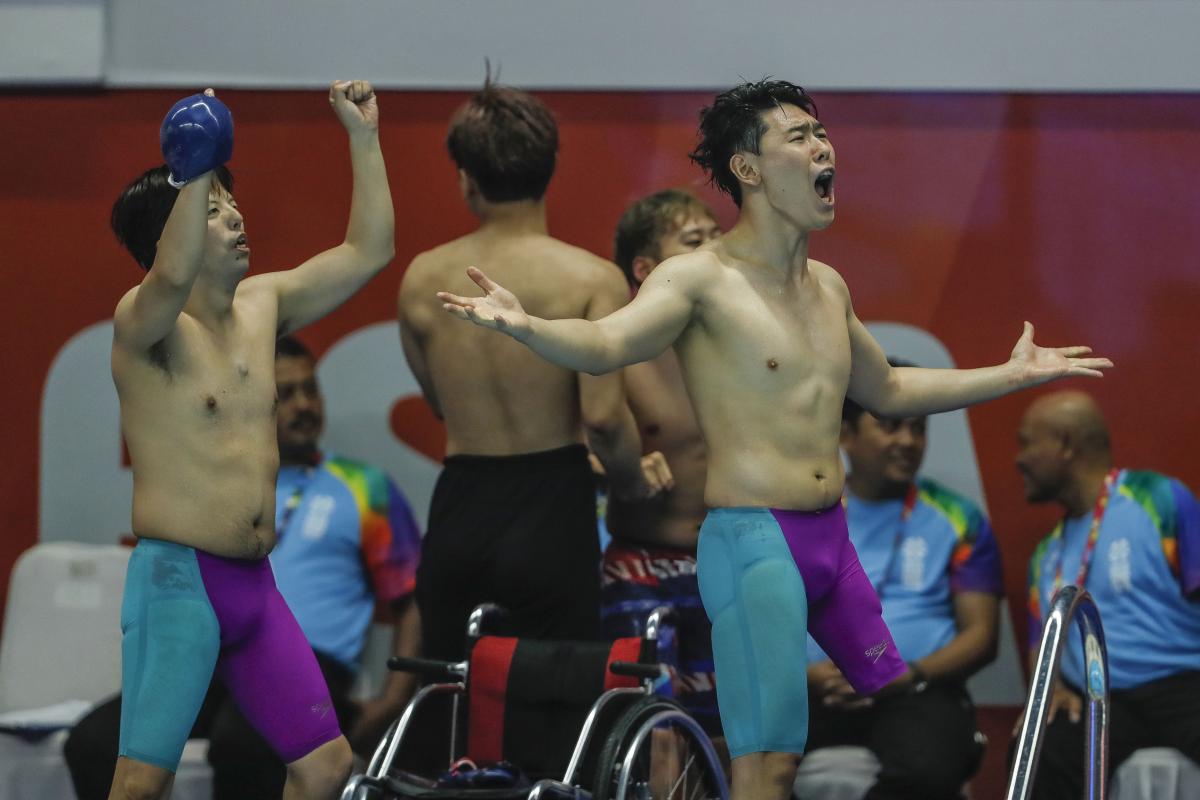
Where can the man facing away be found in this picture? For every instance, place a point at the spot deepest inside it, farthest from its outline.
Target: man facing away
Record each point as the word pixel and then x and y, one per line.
pixel 1132 539
pixel 769 347
pixel 513 516
pixel 651 560
pixel 193 361
pixel 932 558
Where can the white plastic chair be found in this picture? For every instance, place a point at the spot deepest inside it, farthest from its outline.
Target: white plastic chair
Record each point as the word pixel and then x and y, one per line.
pixel 62 625
pixel 1156 773
pixel 62 641
pixel 836 773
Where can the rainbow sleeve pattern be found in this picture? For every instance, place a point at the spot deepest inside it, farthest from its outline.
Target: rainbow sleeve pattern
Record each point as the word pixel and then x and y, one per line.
pixel 1036 562
pixel 975 561
pixel 1176 515
pixel 390 539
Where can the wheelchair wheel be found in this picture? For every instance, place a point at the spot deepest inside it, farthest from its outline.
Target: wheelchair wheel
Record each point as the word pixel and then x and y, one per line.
pixel 657 752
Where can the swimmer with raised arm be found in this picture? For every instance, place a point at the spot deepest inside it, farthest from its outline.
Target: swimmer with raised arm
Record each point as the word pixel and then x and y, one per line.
pixel 193 359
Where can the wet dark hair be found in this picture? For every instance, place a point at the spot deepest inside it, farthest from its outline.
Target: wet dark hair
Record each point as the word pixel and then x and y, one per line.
pixel 291 347
pixel 646 221
pixel 507 141
pixel 140 212
pixel 852 411
pixel 733 123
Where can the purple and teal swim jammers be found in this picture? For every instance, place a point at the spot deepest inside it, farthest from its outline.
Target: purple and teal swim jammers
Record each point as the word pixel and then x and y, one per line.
pixel 186 614
pixel 768 578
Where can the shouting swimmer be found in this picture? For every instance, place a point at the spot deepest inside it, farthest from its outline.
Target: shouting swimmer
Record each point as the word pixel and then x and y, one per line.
pixel 193 359
pixel 769 346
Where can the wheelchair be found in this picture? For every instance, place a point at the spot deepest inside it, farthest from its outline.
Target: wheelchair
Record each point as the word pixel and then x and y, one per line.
pixel 581 721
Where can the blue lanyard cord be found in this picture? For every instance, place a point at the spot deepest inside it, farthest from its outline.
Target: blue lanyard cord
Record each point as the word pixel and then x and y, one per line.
pixel 295 499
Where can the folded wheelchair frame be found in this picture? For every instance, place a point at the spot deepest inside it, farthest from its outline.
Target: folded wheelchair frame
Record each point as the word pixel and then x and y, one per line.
pixel 633 742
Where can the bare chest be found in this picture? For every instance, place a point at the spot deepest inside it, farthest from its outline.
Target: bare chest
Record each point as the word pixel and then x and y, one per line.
pixel 765 338
pixel 199 378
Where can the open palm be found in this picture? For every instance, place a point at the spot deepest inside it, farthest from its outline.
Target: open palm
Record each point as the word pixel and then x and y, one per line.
pixel 1042 364
pixel 498 309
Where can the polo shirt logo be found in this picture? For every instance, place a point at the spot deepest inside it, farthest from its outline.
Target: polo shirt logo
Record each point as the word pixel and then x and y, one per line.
pixel 1120 569
pixel 912 562
pixel 316 521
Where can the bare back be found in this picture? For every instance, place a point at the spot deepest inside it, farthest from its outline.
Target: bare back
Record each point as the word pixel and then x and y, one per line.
pixel 497 397
pixel 659 401
pixel 198 417
pixel 766 359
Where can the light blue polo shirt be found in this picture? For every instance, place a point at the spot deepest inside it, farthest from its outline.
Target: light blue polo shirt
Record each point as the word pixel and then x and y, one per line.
pixel 946 546
pixel 1144 569
pixel 347 540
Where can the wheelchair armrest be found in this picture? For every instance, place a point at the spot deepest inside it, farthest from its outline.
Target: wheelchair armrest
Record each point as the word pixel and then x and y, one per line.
pixel 631 669
pixel 429 668
pixel 389 746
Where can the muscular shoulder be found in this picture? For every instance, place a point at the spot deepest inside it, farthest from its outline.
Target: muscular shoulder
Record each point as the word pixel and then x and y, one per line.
pixel 123 309
pixel 125 352
pixel 688 272
pixel 831 279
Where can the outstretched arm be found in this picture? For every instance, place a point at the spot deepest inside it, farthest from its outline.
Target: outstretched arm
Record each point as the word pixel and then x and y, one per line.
pixel 612 432
pixel 897 392
pixel 325 281
pixel 636 332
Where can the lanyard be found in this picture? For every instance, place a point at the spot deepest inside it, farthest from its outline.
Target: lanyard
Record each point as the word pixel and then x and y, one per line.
pixel 1085 560
pixel 294 500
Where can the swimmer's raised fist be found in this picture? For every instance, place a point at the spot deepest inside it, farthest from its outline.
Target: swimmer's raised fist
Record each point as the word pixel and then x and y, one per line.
pixel 355 105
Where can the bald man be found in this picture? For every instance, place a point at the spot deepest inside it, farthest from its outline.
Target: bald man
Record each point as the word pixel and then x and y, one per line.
pixel 1143 572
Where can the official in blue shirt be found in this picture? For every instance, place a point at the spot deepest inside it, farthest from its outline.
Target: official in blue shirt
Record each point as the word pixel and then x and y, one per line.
pixel 931 556
pixel 1132 539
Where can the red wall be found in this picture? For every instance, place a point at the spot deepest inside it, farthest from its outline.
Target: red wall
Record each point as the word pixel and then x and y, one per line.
pixel 960 214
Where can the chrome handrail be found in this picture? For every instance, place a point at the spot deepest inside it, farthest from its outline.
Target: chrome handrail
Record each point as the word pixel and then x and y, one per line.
pixel 1069 602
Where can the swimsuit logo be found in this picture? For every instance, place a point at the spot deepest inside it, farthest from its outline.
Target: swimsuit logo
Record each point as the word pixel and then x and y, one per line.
pixel 876 652
pixel 321 709
pixel 170 576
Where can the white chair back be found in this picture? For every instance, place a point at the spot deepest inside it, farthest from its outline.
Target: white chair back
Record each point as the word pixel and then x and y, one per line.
pixel 62 625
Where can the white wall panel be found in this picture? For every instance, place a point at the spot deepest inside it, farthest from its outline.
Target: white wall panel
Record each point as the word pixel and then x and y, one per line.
pixel 1041 45
pixel 51 41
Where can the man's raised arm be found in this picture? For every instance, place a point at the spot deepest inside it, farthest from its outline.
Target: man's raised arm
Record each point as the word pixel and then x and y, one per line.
pixel 897 392
pixel 325 281
pixel 196 137
pixel 636 332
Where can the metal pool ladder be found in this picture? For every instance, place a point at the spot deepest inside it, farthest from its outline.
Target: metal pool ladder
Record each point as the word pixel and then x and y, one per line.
pixel 1069 602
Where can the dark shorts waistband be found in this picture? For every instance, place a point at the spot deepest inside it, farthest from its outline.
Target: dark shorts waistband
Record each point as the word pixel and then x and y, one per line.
pixel 571 455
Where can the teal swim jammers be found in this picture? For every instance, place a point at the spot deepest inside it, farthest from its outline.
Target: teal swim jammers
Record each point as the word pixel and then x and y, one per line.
pixel 187 613
pixel 767 578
